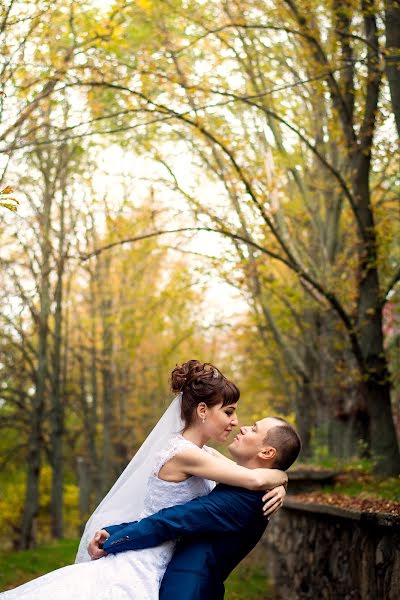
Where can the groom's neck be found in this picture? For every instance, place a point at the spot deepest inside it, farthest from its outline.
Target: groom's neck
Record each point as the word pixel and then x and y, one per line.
pixel 254 463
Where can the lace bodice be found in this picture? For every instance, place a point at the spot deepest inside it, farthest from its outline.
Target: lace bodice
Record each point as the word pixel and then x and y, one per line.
pixel 162 494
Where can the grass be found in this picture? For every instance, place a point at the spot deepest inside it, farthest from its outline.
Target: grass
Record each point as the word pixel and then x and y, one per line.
pixel 367 486
pixel 357 477
pixel 323 460
pixel 19 567
pixel 248 581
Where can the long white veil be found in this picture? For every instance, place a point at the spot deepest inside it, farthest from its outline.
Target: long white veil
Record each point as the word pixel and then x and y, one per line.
pixel 124 502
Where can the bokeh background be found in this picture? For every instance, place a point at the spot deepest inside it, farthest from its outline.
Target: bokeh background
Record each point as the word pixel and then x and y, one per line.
pixel 193 179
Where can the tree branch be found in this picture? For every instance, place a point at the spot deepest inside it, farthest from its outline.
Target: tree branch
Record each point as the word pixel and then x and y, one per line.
pixel 373 80
pixel 331 298
pixel 320 56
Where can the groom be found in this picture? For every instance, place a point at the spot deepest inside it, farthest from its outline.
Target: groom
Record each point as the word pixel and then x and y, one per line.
pixel 216 531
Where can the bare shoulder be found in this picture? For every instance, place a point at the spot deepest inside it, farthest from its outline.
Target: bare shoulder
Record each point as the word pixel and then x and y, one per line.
pixel 190 456
pixel 175 469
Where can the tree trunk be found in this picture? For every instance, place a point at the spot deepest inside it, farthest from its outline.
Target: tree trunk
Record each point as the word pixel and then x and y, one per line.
pixel 85 471
pixel 84 481
pixel 31 505
pixel 304 416
pixel 375 379
pixel 309 393
pixel 107 472
pixel 92 448
pixel 57 409
pixel 376 387
pixel 392 27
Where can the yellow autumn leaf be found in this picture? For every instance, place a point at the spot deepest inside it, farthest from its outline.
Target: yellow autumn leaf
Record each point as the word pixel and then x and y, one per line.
pixel 145 5
pixel 11 207
pixel 8 201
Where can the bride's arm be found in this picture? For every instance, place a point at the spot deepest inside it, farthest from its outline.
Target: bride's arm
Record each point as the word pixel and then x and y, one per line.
pixel 218 454
pixel 202 464
pixel 273 499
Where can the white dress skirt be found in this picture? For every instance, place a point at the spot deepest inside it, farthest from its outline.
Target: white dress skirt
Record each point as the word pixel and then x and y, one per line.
pixel 130 575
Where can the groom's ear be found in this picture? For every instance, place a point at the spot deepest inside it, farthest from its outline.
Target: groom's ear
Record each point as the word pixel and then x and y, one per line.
pixel 267 453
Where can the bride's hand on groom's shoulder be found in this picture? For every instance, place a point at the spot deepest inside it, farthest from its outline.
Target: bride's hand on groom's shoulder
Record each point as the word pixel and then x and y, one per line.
pixel 93 548
pixel 273 500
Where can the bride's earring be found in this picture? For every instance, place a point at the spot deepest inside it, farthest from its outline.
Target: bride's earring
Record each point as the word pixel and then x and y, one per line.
pixel 203 419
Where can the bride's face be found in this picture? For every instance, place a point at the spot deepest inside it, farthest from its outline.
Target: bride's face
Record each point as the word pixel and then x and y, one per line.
pixel 219 422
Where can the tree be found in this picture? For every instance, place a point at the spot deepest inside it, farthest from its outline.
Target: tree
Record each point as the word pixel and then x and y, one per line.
pixel 348 105
pixel 392 55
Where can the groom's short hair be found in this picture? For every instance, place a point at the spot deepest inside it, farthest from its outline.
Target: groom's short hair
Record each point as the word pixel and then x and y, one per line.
pixel 286 441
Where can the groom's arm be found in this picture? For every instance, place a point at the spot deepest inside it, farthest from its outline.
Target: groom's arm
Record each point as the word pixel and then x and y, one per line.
pixel 111 529
pixel 222 511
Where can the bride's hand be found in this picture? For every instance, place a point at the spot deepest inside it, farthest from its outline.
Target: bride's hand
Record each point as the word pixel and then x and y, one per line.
pixel 273 500
pixel 93 548
pixel 270 478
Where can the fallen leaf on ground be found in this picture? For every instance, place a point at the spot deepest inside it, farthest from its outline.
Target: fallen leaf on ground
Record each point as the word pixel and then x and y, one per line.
pixel 360 504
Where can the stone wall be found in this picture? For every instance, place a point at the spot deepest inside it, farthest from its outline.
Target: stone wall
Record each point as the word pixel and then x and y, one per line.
pixel 318 552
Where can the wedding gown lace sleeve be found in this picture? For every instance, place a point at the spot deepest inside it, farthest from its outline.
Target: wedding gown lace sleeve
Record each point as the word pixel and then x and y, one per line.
pixel 131 575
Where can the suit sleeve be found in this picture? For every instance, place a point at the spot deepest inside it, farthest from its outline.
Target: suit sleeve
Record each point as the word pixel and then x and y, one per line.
pixel 115 528
pixel 219 512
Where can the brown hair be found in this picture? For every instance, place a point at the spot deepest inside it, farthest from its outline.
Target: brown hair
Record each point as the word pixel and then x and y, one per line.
pixel 286 441
pixel 201 382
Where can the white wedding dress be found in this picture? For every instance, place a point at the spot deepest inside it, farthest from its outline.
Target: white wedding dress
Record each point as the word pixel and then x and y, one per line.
pixel 130 575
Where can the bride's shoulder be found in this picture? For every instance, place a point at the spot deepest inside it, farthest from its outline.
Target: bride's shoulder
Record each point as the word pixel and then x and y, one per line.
pixel 178 441
pixel 174 445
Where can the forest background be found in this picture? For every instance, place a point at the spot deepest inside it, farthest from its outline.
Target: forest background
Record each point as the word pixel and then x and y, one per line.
pixel 211 179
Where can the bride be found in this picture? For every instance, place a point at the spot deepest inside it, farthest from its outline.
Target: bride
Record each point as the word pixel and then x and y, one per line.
pixel 204 409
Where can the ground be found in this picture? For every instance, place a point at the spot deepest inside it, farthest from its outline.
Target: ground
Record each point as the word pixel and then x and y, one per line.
pixel 359 504
pixel 358 491
pixel 249 580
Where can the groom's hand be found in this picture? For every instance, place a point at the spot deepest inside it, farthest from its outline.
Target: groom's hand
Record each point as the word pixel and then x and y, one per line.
pixel 93 548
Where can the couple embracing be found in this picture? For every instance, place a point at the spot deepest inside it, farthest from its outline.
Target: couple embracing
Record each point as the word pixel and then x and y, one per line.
pixel 165 529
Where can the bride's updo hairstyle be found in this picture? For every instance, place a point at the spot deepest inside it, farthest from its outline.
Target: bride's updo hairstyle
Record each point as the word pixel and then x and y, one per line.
pixel 201 382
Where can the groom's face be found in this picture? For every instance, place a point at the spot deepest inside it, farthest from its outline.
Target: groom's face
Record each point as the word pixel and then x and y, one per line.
pixel 250 440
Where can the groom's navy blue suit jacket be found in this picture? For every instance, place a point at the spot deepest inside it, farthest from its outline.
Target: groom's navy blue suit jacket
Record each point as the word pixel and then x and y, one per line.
pixel 216 531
